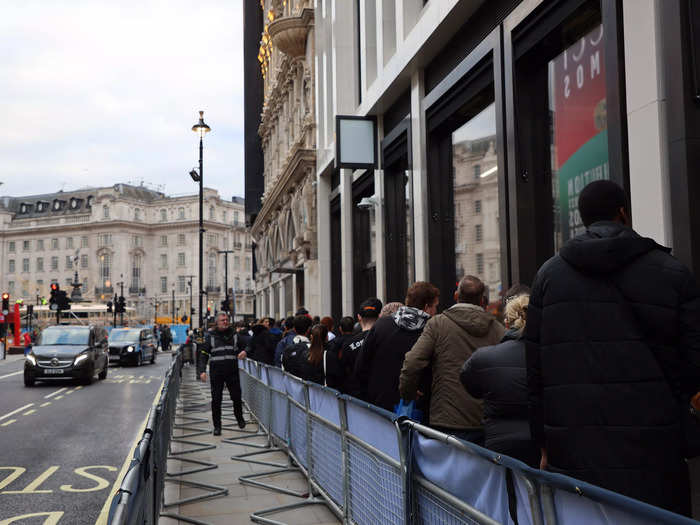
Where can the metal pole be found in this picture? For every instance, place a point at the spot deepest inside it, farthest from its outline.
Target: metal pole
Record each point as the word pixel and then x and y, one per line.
pixel 114 311
pixel 201 231
pixel 121 314
pixel 226 252
pixel 172 310
pixel 189 314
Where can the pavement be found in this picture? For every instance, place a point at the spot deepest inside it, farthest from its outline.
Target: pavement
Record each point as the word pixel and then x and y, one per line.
pixel 63 445
pixel 234 507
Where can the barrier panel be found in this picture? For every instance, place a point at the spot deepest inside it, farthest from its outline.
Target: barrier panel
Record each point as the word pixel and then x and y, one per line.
pixel 369 467
pixel 140 495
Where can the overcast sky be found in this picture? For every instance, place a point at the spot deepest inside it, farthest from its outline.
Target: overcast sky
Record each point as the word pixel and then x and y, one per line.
pixel 97 92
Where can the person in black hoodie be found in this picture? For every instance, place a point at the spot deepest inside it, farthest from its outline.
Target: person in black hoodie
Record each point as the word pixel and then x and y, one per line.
pixel 335 375
pixel 261 346
pixel 379 362
pixel 613 347
pixel 498 375
pixel 304 358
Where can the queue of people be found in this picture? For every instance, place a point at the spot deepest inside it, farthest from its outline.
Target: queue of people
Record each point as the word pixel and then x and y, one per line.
pixel 589 374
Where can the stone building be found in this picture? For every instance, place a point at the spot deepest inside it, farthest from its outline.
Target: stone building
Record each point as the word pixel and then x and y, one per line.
pixel 125 234
pixel 284 228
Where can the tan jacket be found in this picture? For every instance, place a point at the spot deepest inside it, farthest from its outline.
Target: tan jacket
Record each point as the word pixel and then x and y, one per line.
pixel 447 341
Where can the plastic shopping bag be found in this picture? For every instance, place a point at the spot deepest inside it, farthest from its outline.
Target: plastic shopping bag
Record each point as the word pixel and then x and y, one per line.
pixel 408 409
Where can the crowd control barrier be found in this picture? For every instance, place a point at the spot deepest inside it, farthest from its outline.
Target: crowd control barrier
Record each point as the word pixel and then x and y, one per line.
pixel 140 495
pixel 368 467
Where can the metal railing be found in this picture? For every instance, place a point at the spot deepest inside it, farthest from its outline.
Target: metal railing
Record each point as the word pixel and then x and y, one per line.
pixel 140 496
pixel 368 466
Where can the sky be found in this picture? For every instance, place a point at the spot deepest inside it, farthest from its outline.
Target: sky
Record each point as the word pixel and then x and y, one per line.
pixel 97 92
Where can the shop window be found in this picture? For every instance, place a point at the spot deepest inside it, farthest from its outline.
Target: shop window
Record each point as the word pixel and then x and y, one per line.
pixel 364 235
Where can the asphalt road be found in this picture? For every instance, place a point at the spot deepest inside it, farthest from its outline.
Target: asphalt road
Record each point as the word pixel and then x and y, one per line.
pixel 62 445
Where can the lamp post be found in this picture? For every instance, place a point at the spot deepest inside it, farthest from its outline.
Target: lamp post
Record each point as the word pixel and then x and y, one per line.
pixel 226 252
pixel 201 129
pixel 172 306
pixel 189 283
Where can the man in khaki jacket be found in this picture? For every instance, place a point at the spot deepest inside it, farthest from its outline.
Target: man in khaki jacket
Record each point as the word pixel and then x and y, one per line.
pixel 447 341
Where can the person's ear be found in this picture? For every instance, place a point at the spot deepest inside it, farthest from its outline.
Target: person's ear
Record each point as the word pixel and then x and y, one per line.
pixel 624 216
pixel 456 296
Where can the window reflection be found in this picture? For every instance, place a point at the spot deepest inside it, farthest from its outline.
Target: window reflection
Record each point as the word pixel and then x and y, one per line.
pixel 476 214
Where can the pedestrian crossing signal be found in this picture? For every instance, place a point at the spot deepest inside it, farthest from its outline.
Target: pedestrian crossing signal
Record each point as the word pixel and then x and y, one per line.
pixel 5 303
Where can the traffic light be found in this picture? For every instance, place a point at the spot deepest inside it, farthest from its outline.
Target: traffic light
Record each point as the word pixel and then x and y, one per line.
pixel 53 300
pixel 62 300
pixel 120 305
pixel 109 306
pixel 224 306
pixel 5 303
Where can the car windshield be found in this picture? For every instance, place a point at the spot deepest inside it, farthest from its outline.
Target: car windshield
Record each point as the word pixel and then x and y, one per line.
pixel 124 336
pixel 65 335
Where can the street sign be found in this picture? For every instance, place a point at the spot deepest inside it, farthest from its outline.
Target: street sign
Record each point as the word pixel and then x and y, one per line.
pixel 54 307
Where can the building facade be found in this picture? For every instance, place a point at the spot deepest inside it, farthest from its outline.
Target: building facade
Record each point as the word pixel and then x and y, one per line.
pixel 128 236
pixel 284 225
pixel 491 116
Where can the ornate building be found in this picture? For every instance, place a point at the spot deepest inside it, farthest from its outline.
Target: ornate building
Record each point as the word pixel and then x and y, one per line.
pixel 125 234
pixel 284 230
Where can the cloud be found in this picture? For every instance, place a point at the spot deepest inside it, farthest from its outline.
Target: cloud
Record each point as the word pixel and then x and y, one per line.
pixel 95 93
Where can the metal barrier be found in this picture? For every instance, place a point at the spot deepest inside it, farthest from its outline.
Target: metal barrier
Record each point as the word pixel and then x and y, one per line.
pixel 140 494
pixel 369 467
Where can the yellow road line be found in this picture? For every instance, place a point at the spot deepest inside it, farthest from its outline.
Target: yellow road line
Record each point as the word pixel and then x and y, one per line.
pixel 28 412
pixel 54 393
pixel 59 397
pixel 104 513
pixel 15 411
pixel 12 374
pixel 9 422
pixel 45 404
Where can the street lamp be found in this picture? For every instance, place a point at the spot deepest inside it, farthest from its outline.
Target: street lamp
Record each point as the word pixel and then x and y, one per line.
pixel 201 129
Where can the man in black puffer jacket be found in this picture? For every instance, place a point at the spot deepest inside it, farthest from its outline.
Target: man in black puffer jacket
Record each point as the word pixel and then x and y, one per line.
pixel 220 350
pixel 613 355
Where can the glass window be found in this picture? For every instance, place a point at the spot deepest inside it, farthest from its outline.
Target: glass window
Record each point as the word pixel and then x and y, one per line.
pixel 84 261
pixel 105 212
pixel 163 215
pixel 163 260
pixel 236 263
pixel 163 285
pixel 212 270
pixel 40 264
pixel 11 246
pixel 69 262
pixel 69 243
pixel 11 287
pixel 181 283
pixel 136 264
pixel 181 259
pixel 84 241
pixel 40 245
pixel 247 264
pixel 137 214
pixel 105 269
pixel 180 239
pixel 475 173
pixel 235 218
pixel 163 240
pixel 105 239
pixel 54 263
pixel 579 134
pixel 54 244
pixel 212 213
pixel 25 265
pixel 181 213
pixel 26 246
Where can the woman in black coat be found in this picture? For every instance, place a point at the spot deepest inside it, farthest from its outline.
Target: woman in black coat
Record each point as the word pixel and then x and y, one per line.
pixel 498 375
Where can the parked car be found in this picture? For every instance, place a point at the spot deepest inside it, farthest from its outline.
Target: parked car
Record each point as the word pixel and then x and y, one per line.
pixel 67 352
pixel 132 346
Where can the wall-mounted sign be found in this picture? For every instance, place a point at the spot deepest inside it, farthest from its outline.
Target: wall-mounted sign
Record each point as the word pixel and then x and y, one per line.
pixel 355 142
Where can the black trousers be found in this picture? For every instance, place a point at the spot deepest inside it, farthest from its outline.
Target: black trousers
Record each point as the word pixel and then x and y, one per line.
pixel 217 389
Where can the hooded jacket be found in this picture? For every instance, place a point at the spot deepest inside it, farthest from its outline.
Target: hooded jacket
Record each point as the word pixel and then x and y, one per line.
pixel 261 346
pixel 380 358
pixel 498 375
pixel 613 347
pixel 295 360
pixel 447 341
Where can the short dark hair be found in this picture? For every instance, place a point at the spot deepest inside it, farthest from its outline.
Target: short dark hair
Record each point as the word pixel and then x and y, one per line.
pixel 420 294
pixel 289 322
pixel 601 200
pixel 370 308
pixel 347 325
pixel 470 290
pixel 302 323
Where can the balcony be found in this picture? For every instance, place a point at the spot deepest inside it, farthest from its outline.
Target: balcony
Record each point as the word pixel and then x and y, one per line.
pixel 135 290
pixel 213 289
pixel 289 32
pixel 106 290
pixel 237 245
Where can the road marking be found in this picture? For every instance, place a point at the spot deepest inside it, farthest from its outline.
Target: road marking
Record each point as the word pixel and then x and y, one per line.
pixel 29 412
pixel 15 411
pixel 8 422
pixel 52 518
pixel 78 387
pixel 12 374
pixel 54 393
pixel 83 471
pixel 45 404
pixel 104 513
pixel 58 397
pixel 33 487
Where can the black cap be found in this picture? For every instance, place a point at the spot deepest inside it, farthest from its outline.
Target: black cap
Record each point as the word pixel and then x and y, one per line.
pixel 370 308
pixel 302 311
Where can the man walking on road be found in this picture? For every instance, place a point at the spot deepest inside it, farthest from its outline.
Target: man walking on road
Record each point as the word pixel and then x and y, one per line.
pixel 613 354
pixel 220 350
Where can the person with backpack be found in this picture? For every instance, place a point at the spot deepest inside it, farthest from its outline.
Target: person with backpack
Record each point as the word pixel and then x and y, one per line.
pixel 304 358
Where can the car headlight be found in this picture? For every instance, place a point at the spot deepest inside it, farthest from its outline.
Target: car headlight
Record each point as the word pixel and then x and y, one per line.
pixel 80 359
pixel 129 348
pixel 31 359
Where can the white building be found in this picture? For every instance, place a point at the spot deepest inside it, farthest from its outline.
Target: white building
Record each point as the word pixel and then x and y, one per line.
pixel 128 236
